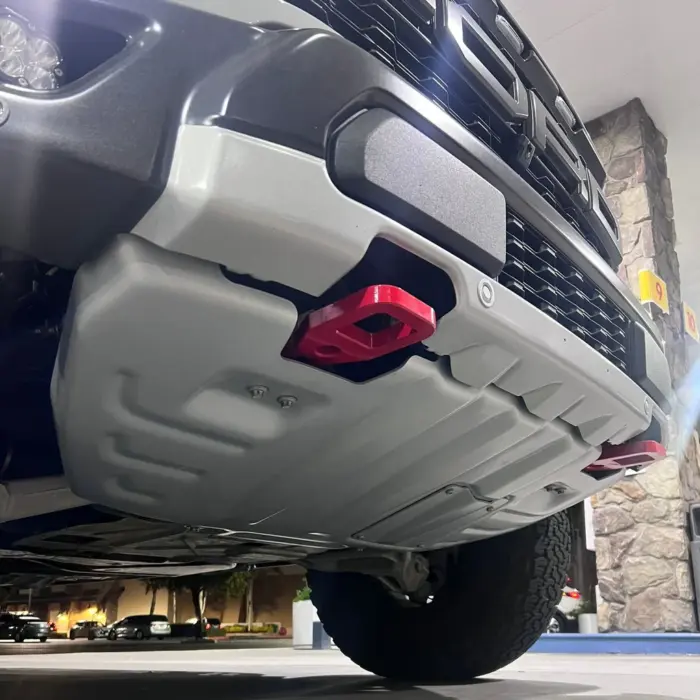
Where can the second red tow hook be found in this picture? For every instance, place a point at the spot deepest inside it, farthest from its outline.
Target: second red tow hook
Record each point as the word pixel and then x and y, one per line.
pixel 629 456
pixel 332 336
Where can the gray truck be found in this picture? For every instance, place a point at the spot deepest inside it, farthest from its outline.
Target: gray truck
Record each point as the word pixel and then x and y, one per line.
pixel 324 282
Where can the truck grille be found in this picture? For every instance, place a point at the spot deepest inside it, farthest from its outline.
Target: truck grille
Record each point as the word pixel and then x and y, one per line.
pixel 400 34
pixel 541 275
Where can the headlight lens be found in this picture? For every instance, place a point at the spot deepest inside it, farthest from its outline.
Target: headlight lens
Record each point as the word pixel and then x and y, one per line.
pixel 26 58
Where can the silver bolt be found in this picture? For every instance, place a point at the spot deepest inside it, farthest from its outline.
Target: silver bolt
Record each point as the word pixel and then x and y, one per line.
pixel 451 491
pixel 360 537
pixel 257 392
pixel 4 113
pixel 490 509
pixel 287 401
pixel 486 293
pixel 647 403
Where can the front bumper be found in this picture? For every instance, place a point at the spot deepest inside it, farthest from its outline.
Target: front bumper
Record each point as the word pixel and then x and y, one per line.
pixel 151 389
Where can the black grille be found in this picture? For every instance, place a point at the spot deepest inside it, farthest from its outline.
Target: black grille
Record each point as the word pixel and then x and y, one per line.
pixel 400 34
pixel 543 276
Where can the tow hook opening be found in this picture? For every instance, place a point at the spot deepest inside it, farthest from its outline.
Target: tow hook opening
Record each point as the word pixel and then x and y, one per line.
pixel 334 334
pixel 632 455
pixel 375 318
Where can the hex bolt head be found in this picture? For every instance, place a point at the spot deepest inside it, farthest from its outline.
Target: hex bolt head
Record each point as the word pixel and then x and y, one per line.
pixel 450 491
pixel 486 293
pixel 257 392
pixel 287 401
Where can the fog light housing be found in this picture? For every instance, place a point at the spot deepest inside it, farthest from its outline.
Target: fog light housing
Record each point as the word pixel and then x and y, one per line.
pixel 27 58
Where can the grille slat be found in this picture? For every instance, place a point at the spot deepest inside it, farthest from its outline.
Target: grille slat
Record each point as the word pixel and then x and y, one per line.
pixel 550 282
pixel 400 34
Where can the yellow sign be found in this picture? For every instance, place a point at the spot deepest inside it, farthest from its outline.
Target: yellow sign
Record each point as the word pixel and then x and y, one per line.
pixel 652 290
pixel 690 323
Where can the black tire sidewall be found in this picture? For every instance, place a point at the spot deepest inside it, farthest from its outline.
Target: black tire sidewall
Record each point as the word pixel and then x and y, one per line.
pixel 498 599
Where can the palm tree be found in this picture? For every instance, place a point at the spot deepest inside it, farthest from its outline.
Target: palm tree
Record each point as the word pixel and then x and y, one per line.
pixel 239 584
pixel 153 585
pixel 196 585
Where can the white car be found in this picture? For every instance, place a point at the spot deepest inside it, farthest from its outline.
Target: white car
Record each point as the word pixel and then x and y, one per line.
pixel 565 613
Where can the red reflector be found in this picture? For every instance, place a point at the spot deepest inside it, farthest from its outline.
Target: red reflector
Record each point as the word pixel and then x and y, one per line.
pixel 572 594
pixel 633 454
pixel 331 336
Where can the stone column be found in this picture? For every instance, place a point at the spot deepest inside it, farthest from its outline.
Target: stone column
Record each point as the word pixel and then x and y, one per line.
pixel 640 524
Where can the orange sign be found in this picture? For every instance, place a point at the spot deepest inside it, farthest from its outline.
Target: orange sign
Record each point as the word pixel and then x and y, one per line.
pixel 652 290
pixel 690 323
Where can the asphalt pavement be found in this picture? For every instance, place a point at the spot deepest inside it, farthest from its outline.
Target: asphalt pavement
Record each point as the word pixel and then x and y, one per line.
pixel 220 672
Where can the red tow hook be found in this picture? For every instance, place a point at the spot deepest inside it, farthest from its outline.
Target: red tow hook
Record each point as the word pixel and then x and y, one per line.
pixel 633 454
pixel 331 336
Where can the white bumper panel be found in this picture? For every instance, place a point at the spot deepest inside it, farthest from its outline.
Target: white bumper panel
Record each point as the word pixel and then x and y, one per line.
pixel 151 387
pixel 273 213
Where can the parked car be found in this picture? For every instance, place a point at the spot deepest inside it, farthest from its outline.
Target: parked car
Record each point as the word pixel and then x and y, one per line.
pixel 140 627
pixel 564 617
pixel 330 283
pixel 87 629
pixel 22 628
pixel 210 623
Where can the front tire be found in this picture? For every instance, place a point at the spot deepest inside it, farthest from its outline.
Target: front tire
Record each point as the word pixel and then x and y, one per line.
pixel 497 600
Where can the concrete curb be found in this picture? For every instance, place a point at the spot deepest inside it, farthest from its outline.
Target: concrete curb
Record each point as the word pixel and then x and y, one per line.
pixel 679 644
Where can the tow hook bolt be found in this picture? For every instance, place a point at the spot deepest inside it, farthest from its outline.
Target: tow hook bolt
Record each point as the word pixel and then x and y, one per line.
pixel 257 392
pixel 287 401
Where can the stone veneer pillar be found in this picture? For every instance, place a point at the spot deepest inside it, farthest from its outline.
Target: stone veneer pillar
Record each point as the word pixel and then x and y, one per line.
pixel 640 523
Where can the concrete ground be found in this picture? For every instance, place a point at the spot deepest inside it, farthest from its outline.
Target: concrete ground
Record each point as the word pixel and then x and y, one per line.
pixel 60 670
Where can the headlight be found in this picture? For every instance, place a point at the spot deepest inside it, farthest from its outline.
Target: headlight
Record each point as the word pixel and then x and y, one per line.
pixel 27 58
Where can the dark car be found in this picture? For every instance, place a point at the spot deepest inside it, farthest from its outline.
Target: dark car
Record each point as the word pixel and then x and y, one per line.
pixel 209 623
pixel 87 629
pixel 20 628
pixel 140 627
